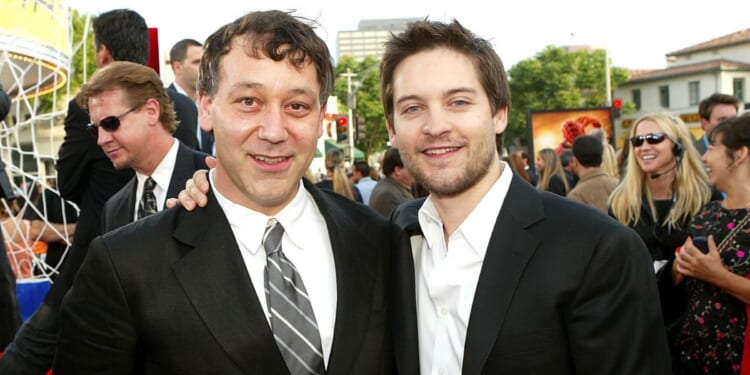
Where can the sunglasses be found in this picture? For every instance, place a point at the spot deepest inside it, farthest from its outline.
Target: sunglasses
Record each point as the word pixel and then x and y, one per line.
pixel 651 138
pixel 109 123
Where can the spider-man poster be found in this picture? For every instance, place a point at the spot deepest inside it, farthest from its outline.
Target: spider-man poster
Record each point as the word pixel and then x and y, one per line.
pixel 557 129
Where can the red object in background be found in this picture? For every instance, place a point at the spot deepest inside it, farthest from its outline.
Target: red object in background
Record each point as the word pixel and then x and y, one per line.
pixel 617 104
pixel 153 49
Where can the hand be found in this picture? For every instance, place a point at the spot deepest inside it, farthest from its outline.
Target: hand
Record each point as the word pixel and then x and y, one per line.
pixel 196 189
pixel 690 261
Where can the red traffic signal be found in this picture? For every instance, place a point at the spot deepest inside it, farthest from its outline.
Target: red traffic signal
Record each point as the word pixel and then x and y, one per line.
pixel 342 129
pixel 617 104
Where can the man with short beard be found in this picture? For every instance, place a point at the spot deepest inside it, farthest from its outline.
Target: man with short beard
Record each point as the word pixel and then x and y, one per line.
pixel 497 277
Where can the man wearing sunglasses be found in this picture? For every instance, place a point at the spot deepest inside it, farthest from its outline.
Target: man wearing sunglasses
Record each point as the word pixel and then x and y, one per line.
pixel 133 122
pixel 87 177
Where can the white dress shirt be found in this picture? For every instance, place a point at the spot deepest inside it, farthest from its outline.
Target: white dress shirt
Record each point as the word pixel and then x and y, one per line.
pixel 161 175
pixel 447 277
pixel 305 243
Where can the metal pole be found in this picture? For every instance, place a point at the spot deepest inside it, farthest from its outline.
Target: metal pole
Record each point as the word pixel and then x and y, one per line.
pixel 350 130
pixel 607 77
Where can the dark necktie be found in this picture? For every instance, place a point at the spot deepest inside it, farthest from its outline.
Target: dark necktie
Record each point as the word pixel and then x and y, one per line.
pixel 147 206
pixel 292 319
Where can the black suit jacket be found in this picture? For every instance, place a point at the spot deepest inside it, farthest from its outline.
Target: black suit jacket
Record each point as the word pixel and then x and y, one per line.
pixel 190 119
pixel 10 314
pixel 87 177
pixel 120 209
pixel 170 294
pixel 187 115
pixel 563 289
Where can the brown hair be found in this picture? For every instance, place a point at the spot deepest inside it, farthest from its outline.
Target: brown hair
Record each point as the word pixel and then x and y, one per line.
pixel 138 82
pixel 429 35
pixel 516 162
pixel 706 106
pixel 275 34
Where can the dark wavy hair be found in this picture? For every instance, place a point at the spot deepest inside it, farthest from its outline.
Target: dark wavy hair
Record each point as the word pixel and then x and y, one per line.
pixel 734 132
pixel 275 34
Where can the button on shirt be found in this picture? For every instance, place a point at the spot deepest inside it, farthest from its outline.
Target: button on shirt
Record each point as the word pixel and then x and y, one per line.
pixel 162 175
pixel 447 277
pixel 305 243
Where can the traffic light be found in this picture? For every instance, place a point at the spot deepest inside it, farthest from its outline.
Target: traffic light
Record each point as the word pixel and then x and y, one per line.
pixel 617 107
pixel 342 128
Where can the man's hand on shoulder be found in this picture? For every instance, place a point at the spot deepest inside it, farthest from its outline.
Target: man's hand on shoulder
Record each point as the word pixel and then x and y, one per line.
pixel 196 189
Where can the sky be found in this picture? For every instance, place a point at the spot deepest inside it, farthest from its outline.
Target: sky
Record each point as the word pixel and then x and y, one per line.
pixel 637 33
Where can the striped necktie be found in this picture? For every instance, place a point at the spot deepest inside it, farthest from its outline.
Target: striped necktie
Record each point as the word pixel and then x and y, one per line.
pixel 147 206
pixel 292 319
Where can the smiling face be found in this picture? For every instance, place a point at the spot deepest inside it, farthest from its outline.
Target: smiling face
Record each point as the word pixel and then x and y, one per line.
pixel 653 158
pixel 266 117
pixel 718 164
pixel 442 122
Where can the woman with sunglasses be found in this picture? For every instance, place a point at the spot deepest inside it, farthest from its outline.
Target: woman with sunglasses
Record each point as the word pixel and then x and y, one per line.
pixel 711 275
pixel 664 185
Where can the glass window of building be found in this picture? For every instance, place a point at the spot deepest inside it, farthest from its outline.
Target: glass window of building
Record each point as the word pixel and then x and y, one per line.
pixel 637 98
pixel 694 92
pixel 738 88
pixel 664 96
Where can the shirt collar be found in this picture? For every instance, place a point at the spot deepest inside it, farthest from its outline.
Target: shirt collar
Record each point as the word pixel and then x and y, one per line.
pixel 179 89
pixel 162 174
pixel 477 228
pixel 249 225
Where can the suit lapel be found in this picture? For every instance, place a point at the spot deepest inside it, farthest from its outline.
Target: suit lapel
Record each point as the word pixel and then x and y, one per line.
pixel 214 278
pixel 508 253
pixel 123 206
pixel 404 305
pixel 184 168
pixel 355 278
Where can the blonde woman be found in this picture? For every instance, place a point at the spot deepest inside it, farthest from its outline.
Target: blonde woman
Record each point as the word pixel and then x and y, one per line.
pixel 336 179
pixel 551 174
pixel 664 185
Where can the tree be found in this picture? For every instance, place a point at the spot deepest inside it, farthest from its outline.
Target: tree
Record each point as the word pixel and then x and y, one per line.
pixel 81 29
pixel 557 79
pixel 366 102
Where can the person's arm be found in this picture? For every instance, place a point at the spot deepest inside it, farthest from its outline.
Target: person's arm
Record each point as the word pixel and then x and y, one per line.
pixel 691 262
pixel 614 324
pixel 74 154
pixel 51 232
pixel 97 332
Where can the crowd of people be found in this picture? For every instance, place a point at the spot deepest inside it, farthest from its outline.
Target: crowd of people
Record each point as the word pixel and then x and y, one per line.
pixel 503 265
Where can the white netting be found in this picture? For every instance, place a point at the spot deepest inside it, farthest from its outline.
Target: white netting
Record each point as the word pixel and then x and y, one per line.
pixel 29 141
